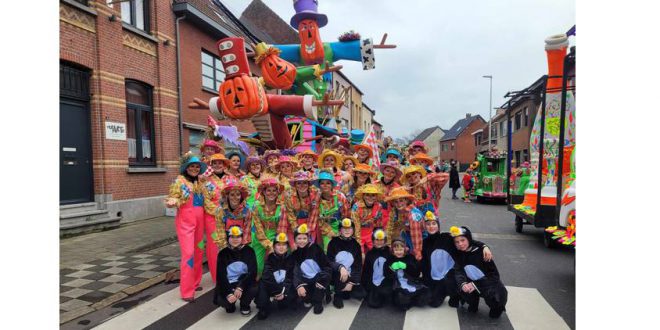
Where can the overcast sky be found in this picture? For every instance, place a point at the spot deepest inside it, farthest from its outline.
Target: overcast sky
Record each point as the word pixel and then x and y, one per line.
pixel 434 76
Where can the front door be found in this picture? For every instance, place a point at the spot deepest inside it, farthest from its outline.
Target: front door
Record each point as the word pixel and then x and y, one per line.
pixel 76 180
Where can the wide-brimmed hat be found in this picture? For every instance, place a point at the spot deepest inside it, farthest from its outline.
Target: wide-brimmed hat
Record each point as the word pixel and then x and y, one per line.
pixel 300 176
pixel 392 152
pixel 423 158
pixel 353 159
pixel 232 184
pixel 220 157
pixel 326 153
pixel 364 168
pixel 410 170
pixel 365 147
pixel 192 160
pixel 418 143
pixel 307 152
pixel 230 154
pixel 307 9
pixel 255 160
pixel 398 193
pixel 325 175
pixel 286 159
pixel 213 144
pixel 270 153
pixel 395 166
pixel 369 188
pixel 271 182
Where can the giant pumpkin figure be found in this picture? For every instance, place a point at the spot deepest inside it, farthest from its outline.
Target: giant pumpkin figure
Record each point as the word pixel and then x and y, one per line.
pixel 277 73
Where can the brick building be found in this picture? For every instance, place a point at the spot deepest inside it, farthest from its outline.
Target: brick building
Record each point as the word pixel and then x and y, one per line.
pixel 458 142
pixel 522 109
pixel 119 131
pixel 431 137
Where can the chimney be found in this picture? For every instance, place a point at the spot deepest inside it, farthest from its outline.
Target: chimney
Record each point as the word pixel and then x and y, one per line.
pixel 468 115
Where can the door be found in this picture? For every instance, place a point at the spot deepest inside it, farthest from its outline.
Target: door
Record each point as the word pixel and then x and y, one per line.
pixel 76 179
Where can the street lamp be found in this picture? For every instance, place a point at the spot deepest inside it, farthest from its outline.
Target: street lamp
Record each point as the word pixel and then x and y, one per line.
pixel 490 112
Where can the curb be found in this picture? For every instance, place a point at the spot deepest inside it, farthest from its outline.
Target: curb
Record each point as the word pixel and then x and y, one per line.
pixel 82 311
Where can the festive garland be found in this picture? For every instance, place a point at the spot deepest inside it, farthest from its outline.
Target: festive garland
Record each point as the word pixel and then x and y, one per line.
pixel 349 36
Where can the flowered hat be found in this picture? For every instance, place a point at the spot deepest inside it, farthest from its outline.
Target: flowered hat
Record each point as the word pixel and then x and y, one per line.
pixel 255 160
pixel 422 158
pixel 305 153
pixel 212 144
pixel 398 193
pixel 281 238
pixel 188 159
pixel 287 159
pixel 429 216
pixel 369 188
pixel 347 223
pixel 410 170
pixel 365 147
pixel 271 153
pixel 302 229
pixel 418 143
pixel 379 233
pixel 325 175
pixel 233 184
pixel 219 157
pixel 235 231
pixel 395 166
pixel 326 153
pixel 271 182
pixel 300 176
pixel 460 231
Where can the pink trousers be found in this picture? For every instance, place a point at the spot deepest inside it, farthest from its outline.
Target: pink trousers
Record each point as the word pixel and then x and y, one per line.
pixel 189 223
pixel 211 248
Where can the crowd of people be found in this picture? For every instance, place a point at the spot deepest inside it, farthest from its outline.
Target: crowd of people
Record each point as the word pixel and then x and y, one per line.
pixel 285 228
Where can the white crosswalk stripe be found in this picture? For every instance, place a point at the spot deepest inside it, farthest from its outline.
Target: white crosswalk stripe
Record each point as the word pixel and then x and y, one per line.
pixel 526 309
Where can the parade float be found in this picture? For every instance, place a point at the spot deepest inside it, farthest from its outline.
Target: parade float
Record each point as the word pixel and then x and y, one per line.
pixel 490 177
pixel 548 200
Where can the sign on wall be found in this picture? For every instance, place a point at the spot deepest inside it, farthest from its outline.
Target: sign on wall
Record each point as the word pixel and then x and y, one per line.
pixel 115 131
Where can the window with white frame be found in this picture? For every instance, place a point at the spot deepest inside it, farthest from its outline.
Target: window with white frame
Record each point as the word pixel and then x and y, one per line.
pixel 502 131
pixel 212 71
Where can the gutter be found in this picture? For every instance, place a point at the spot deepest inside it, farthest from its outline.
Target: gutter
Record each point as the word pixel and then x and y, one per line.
pixel 178 83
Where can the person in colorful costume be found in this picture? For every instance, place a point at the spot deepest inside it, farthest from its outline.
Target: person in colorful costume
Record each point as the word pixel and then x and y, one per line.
pixel 422 160
pixel 307 159
pixel 237 274
pixel 234 212
pixel 348 163
pixel 188 194
pixel 392 155
pixel 332 207
pixel 389 180
pixel 345 256
pixel 272 157
pixel 302 203
pixel 235 165
pixel 378 287
pixel 252 179
pixel 208 149
pixel 276 281
pixel 403 270
pixel 268 218
pixel 311 272
pixel 367 214
pixel 362 175
pixel 475 276
pixel 417 147
pixel 331 161
pixel 438 252
pixel 214 185
pixel 468 184
pixel 364 153
pixel 285 167
pixel 405 221
pixel 426 188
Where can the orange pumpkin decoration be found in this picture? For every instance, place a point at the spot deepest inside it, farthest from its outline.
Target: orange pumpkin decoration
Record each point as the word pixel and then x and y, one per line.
pixel 243 97
pixel 311 46
pixel 277 73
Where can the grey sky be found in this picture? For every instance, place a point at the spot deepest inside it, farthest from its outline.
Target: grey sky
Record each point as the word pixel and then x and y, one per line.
pixel 434 76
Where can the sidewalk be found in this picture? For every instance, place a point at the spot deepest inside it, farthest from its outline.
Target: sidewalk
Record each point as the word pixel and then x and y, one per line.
pixel 99 269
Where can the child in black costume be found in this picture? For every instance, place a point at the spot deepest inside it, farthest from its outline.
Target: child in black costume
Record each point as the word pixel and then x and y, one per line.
pixel 276 279
pixel 373 280
pixel 403 269
pixel 236 274
pixel 438 253
pixel 345 255
pixel 311 273
pixel 476 277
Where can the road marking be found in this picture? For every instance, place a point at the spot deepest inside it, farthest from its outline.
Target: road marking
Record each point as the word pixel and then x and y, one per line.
pixel 155 309
pixel 527 309
pixel 221 319
pixel 331 318
pixel 425 317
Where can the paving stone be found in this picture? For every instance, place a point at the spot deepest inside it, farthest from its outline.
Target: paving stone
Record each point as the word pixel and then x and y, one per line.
pixel 141 256
pixel 64 299
pixel 81 266
pixel 96 276
pixel 95 285
pixel 147 274
pixel 164 268
pixel 113 278
pixel 65 271
pixel 114 270
pixel 74 314
pixel 146 267
pixel 132 281
pixel 75 293
pixel 113 263
pixel 74 304
pixel 113 258
pixel 79 274
pixel 114 287
pixel 131 272
pixel 77 283
pixel 144 261
pixel 96 295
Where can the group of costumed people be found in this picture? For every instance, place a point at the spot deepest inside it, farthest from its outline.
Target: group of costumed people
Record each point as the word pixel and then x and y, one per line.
pixel 314 228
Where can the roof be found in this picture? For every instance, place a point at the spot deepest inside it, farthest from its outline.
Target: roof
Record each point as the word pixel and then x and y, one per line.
pixel 459 127
pixel 426 133
pixel 214 17
pixel 373 120
pixel 260 17
pixel 535 89
pixel 349 81
pixel 373 112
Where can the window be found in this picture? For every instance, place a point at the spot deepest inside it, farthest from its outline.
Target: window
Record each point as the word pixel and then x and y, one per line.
pixel 477 139
pixel 517 121
pixel 493 132
pixel 212 74
pixel 136 13
pixel 299 131
pixel 517 157
pixel 452 146
pixel 526 116
pixel 195 139
pixel 139 124
pixel 502 129
pixel 525 155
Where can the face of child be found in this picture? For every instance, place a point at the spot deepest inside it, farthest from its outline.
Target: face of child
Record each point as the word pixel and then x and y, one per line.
pixel 347 231
pixel 329 161
pixel 193 169
pixel 235 197
pixel 431 227
pixel 281 248
pixel 379 243
pixel 301 240
pixel 255 168
pixel 400 204
pixel 218 166
pixel 271 193
pixel 398 250
pixel 369 199
pixel 302 186
pixel 389 173
pixel 235 162
pixel 462 243
pixel 326 186
pixel 235 241
pixel 286 169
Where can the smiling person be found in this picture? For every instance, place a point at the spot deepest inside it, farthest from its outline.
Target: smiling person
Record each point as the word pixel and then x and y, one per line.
pixel 361 175
pixel 392 155
pixel 312 272
pixel 332 207
pixel 348 163
pixel 475 276
pixel 331 161
pixel 302 204
pixel 234 212
pixel 378 287
pixel 268 218
pixel 415 182
pixel 345 257
pixel 272 157
pixel 405 221
pixel 286 166
pixel 235 163
pixel 214 185
pixel 367 214
pixel 276 281
pixel 403 270
pixel 255 166
pixel 364 153
pixel 388 181
pixel 307 160
pixel 237 274
pixel 417 147
pixel 188 194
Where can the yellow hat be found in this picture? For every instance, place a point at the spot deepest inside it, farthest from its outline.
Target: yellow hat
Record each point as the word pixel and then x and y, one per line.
pixel 429 216
pixel 329 152
pixel 347 223
pixel 353 159
pixel 235 231
pixel 379 234
pixel 302 229
pixel 456 231
pixel 369 188
pixel 281 238
pixel 399 192
pixel 410 170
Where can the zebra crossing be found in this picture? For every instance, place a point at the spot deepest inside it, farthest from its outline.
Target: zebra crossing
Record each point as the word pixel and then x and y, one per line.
pixel 526 309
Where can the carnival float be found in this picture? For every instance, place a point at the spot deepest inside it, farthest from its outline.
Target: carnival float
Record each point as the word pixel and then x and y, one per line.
pixel 490 176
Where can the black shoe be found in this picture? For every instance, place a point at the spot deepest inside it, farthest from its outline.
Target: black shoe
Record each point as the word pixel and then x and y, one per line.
pixel 453 301
pixel 328 297
pixel 436 303
pixel 230 308
pixel 246 311
pixel 262 314
pixel 318 309
pixel 282 305
pixel 473 308
pixel 495 312
pixel 338 301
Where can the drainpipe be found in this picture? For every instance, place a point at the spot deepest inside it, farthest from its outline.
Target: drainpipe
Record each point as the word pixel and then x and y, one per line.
pixel 178 83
